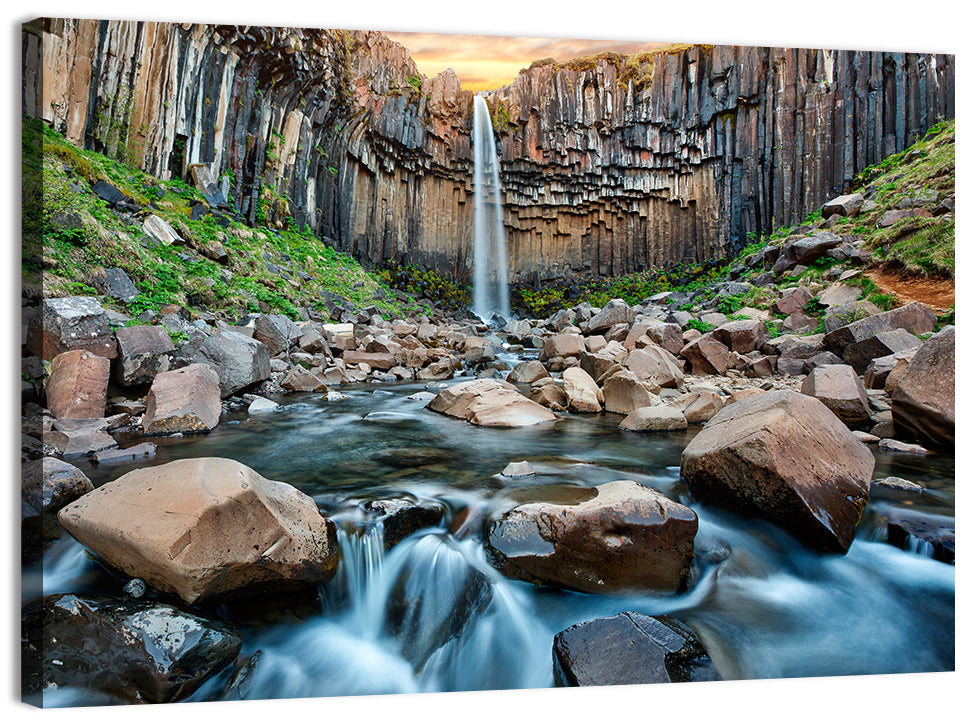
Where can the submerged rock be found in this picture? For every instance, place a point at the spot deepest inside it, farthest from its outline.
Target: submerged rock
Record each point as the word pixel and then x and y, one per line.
pixel 609 538
pixel 629 648
pixel 204 528
pixel 401 517
pixel 786 457
pixel 923 533
pixel 133 650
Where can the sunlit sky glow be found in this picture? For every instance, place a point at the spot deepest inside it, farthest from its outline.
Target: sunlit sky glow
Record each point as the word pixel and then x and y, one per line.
pixel 484 62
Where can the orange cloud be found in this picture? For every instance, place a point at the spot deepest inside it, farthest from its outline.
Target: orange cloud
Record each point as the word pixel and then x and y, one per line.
pixel 485 62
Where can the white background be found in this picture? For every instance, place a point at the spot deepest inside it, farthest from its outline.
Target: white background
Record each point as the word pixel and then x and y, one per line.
pixel 934 26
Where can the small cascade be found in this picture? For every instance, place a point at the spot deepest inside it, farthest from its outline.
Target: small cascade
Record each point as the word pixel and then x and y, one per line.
pixel 490 281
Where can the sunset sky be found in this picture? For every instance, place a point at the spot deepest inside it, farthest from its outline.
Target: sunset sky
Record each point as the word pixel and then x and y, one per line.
pixel 484 62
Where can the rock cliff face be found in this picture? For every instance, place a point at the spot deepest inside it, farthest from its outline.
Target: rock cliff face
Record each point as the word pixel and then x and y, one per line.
pixel 610 164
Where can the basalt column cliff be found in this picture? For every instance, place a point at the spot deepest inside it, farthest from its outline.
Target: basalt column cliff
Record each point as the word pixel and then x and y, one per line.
pixel 610 164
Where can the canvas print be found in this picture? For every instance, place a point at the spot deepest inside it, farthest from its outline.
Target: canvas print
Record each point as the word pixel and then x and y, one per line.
pixel 354 364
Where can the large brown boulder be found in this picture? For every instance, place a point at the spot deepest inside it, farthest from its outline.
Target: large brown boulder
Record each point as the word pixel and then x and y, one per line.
pixel 187 400
pixel 204 528
pixel 860 353
pixel 605 539
pixel 629 648
pixel 278 332
pixel 488 402
pixel 77 387
pixel 923 402
pixel 562 345
pixel 785 457
pixel 582 393
pixel 143 352
pixel 742 336
pixel 624 392
pixel 707 356
pixel 527 372
pixel 840 389
pixel 613 313
pixel 656 365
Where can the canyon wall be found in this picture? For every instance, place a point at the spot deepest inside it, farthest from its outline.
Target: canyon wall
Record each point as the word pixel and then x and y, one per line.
pixel 610 164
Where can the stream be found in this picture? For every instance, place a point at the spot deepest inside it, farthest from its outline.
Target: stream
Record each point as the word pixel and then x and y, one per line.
pixel 432 615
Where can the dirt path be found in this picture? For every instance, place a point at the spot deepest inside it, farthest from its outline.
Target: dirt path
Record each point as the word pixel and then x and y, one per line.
pixel 937 294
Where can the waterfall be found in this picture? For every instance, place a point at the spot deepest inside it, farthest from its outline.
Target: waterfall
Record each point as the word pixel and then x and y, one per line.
pixel 490 281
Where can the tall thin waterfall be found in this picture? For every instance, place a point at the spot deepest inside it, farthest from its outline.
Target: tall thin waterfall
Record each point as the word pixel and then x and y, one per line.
pixel 490 278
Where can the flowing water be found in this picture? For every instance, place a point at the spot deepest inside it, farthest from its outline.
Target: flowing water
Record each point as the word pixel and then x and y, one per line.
pixel 490 283
pixel 431 614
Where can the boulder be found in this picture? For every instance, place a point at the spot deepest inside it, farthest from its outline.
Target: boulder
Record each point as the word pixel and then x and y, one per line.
pixel 187 400
pixel 614 312
pixel 629 648
pixel 792 300
pixel 527 372
pixel 378 361
pixel 803 251
pixel 72 323
pixel 238 360
pixel 132 650
pixel 47 485
pixel 115 283
pixel 562 345
pixel 278 332
pixel 341 336
pixel 706 356
pixel 923 400
pixel 840 389
pixel 302 380
pixel 654 365
pixel 159 229
pixel 654 418
pixel 860 353
pixel 742 336
pixel 892 216
pixel 609 538
pixel 623 392
pixel 698 407
pixel 204 528
pixel 547 393
pixel 785 457
pixel 846 205
pixel 79 437
pixel 669 336
pixel 401 517
pixel 77 387
pixel 488 402
pixel 915 318
pixel 928 534
pixel 582 393
pixel 560 319
pixel 799 323
pixel 140 450
pixel 143 351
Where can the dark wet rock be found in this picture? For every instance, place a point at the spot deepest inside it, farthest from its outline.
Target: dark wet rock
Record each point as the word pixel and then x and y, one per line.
pixel 629 648
pixel 787 458
pixel 47 485
pixel 923 533
pixel 840 389
pixel 77 387
pixel 239 361
pixel 205 528
pixel 923 400
pixel 143 352
pixel 187 400
pixel 72 323
pixel 605 539
pixel 401 517
pixel 452 595
pixel 133 650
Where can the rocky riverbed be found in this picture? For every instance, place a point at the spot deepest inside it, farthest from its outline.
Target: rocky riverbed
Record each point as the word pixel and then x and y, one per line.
pixel 486 506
